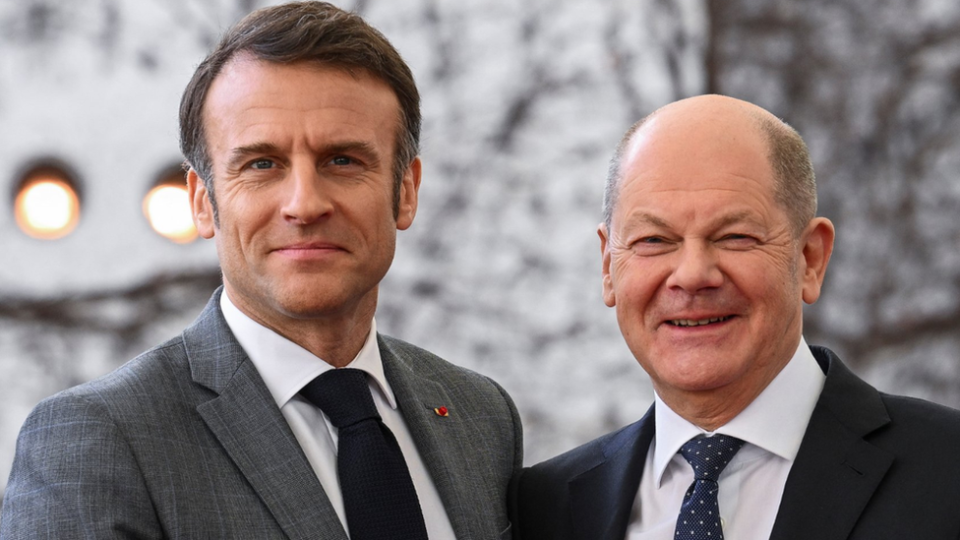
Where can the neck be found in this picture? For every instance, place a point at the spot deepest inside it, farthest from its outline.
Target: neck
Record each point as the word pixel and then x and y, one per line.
pixel 336 337
pixel 336 341
pixel 708 411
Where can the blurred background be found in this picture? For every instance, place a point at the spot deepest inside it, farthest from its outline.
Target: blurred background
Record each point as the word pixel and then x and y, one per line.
pixel 523 104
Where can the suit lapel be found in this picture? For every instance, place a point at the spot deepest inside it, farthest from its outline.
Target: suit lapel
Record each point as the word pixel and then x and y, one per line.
pixel 253 432
pixel 602 497
pixel 437 438
pixel 836 470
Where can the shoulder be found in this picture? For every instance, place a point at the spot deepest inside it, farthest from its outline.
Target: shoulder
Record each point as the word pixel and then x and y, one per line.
pixel 482 437
pixel 425 364
pixel 424 361
pixel 150 373
pixel 545 497
pixel 84 438
pixel 141 387
pixel 485 409
pixel 905 408
pixel 865 409
pixel 921 426
pixel 915 431
pixel 631 440
pixel 904 447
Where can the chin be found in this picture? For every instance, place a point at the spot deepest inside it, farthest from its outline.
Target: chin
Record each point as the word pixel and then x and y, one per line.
pixel 696 373
pixel 301 307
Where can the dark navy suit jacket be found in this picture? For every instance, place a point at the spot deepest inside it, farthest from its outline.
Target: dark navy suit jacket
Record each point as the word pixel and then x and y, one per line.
pixel 871 466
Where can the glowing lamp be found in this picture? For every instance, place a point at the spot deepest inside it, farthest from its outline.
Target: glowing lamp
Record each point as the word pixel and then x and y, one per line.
pixel 47 206
pixel 167 207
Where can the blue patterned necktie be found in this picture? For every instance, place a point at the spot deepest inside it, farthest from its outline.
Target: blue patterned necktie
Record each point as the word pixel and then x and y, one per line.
pixel 379 497
pixel 700 514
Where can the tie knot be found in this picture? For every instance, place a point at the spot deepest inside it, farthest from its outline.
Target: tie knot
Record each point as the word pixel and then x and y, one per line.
pixel 343 395
pixel 709 455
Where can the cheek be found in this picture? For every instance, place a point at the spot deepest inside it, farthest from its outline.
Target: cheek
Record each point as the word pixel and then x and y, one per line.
pixel 761 275
pixel 635 286
pixel 243 224
pixel 784 284
pixel 638 277
pixel 772 293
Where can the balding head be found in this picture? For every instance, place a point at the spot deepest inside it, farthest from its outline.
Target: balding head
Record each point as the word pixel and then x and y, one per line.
pixel 724 121
pixel 709 257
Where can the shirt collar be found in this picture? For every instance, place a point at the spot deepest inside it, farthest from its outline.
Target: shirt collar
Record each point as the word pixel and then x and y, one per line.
pixel 775 421
pixel 287 367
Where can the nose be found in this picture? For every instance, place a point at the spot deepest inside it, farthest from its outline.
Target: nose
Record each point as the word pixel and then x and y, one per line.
pixel 696 268
pixel 306 199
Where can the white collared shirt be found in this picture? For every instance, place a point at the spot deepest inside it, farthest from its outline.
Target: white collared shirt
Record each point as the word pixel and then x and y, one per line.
pixel 752 484
pixel 287 367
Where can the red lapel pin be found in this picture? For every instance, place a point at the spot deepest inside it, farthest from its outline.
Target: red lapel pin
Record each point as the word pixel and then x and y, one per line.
pixel 441 411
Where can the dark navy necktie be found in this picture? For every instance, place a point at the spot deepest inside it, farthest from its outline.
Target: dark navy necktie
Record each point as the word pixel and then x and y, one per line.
pixel 699 517
pixel 378 494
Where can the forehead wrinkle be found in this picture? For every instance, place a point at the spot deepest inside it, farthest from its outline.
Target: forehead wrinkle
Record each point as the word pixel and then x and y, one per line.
pixel 731 218
pixel 645 177
pixel 645 217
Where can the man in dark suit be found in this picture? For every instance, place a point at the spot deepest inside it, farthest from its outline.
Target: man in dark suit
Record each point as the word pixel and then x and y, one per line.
pixel 710 247
pixel 301 130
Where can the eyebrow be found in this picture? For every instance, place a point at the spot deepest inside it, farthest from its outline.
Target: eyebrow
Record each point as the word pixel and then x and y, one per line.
pixel 240 153
pixel 736 217
pixel 723 221
pixel 645 218
pixel 364 148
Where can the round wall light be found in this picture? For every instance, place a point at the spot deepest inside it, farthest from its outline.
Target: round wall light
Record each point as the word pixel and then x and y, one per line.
pixel 167 207
pixel 47 203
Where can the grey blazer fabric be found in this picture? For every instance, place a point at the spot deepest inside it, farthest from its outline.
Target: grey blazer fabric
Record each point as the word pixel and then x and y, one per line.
pixel 185 441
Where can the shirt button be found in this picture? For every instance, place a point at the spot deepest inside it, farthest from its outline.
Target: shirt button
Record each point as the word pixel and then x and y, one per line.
pixel 723 523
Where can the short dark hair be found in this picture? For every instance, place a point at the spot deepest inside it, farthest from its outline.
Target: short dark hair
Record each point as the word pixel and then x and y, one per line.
pixel 794 182
pixel 316 32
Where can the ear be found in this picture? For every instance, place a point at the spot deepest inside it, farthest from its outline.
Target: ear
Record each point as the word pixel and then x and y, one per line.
pixel 200 205
pixel 817 246
pixel 609 297
pixel 409 195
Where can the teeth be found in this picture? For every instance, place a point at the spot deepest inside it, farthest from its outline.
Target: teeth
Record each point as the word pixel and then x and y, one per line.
pixel 701 322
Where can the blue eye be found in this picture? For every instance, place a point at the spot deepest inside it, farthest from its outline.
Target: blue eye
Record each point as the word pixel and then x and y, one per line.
pixel 262 164
pixel 341 160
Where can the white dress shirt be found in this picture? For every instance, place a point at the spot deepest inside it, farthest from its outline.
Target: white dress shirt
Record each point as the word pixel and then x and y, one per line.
pixel 287 367
pixel 752 484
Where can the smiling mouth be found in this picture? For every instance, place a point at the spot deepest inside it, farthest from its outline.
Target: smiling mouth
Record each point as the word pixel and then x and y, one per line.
pixel 698 322
pixel 317 246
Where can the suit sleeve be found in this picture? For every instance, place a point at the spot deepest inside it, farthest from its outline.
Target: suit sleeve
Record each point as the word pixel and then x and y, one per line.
pixel 74 476
pixel 517 465
pixel 517 430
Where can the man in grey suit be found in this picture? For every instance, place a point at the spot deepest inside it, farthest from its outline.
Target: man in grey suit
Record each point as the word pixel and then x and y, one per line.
pixel 301 131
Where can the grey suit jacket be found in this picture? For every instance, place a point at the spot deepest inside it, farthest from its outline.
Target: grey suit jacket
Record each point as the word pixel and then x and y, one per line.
pixel 185 441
